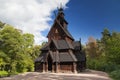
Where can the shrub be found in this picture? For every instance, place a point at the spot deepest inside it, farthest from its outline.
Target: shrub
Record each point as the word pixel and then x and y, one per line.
pixel 109 67
pixel 3 73
pixel 96 64
pixel 115 74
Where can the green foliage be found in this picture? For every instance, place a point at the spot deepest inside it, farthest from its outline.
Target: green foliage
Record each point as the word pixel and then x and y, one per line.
pixel 113 48
pixel 3 73
pixel 109 59
pixel 1 24
pixel 24 63
pixel 17 52
pixel 96 64
pixel 28 40
pixel 35 51
pixel 115 74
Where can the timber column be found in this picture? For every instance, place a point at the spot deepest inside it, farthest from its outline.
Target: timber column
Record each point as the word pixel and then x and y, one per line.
pixel 57 59
pixel 43 67
pixel 53 67
pixel 56 67
pixel 46 70
pixel 74 67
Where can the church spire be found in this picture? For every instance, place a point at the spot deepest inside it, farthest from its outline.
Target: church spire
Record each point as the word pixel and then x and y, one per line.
pixel 60 10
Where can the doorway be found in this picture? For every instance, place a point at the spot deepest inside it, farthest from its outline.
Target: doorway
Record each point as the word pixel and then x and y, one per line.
pixel 49 63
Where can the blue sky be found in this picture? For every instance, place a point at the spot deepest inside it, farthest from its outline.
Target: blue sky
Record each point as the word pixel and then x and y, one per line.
pixel 90 17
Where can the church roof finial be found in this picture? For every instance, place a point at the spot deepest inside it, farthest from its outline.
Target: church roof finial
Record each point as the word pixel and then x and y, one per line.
pixel 60 9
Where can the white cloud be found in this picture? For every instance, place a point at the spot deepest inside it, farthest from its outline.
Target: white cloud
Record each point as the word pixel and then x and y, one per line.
pixel 31 16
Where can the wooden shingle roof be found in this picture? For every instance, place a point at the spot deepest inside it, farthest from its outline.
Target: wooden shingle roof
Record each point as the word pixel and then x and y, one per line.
pixel 59 44
pixel 41 58
pixel 63 44
pixel 65 30
pixel 81 56
pixel 77 45
pixel 60 57
pixel 66 57
pixel 63 56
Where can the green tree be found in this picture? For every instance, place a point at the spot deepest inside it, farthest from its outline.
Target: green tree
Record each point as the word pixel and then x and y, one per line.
pixel 1 24
pixel 36 51
pixel 28 40
pixel 91 48
pixel 16 45
pixel 112 48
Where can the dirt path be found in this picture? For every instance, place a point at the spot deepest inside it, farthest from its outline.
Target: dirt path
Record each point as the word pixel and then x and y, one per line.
pixel 88 75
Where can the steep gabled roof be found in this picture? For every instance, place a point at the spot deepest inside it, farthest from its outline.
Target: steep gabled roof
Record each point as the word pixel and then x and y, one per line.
pixel 60 57
pixel 59 44
pixel 57 57
pixel 80 56
pixel 63 56
pixel 65 30
pixel 42 57
pixel 66 57
pixel 77 45
pixel 63 44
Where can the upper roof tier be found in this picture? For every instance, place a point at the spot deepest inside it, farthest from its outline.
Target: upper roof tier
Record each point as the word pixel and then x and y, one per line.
pixel 59 28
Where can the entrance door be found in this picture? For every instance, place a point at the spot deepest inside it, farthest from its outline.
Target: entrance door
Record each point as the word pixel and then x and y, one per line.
pixel 49 63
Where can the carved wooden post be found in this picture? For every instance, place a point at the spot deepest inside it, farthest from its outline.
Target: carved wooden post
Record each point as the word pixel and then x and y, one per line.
pixel 56 67
pixel 47 67
pixel 53 67
pixel 56 64
pixel 43 67
pixel 74 67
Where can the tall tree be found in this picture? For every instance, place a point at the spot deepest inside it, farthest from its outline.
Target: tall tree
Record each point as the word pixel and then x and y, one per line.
pixel 91 48
pixel 35 51
pixel 111 46
pixel 15 46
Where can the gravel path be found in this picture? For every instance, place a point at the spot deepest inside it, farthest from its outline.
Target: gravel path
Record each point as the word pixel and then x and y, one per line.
pixel 88 75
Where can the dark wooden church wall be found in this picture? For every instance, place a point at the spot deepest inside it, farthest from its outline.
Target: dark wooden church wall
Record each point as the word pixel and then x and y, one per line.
pixel 66 66
pixel 38 66
pixel 81 65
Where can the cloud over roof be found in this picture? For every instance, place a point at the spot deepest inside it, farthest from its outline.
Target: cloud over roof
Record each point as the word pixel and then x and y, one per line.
pixel 31 16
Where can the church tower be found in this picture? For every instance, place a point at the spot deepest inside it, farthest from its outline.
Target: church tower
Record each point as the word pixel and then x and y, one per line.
pixel 61 53
pixel 59 29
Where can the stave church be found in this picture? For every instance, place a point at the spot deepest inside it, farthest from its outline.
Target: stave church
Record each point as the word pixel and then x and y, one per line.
pixel 61 53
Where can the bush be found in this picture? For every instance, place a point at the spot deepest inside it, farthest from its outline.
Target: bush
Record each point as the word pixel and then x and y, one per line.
pixel 115 74
pixel 99 64
pixel 3 73
pixel 109 67
pixel 96 64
